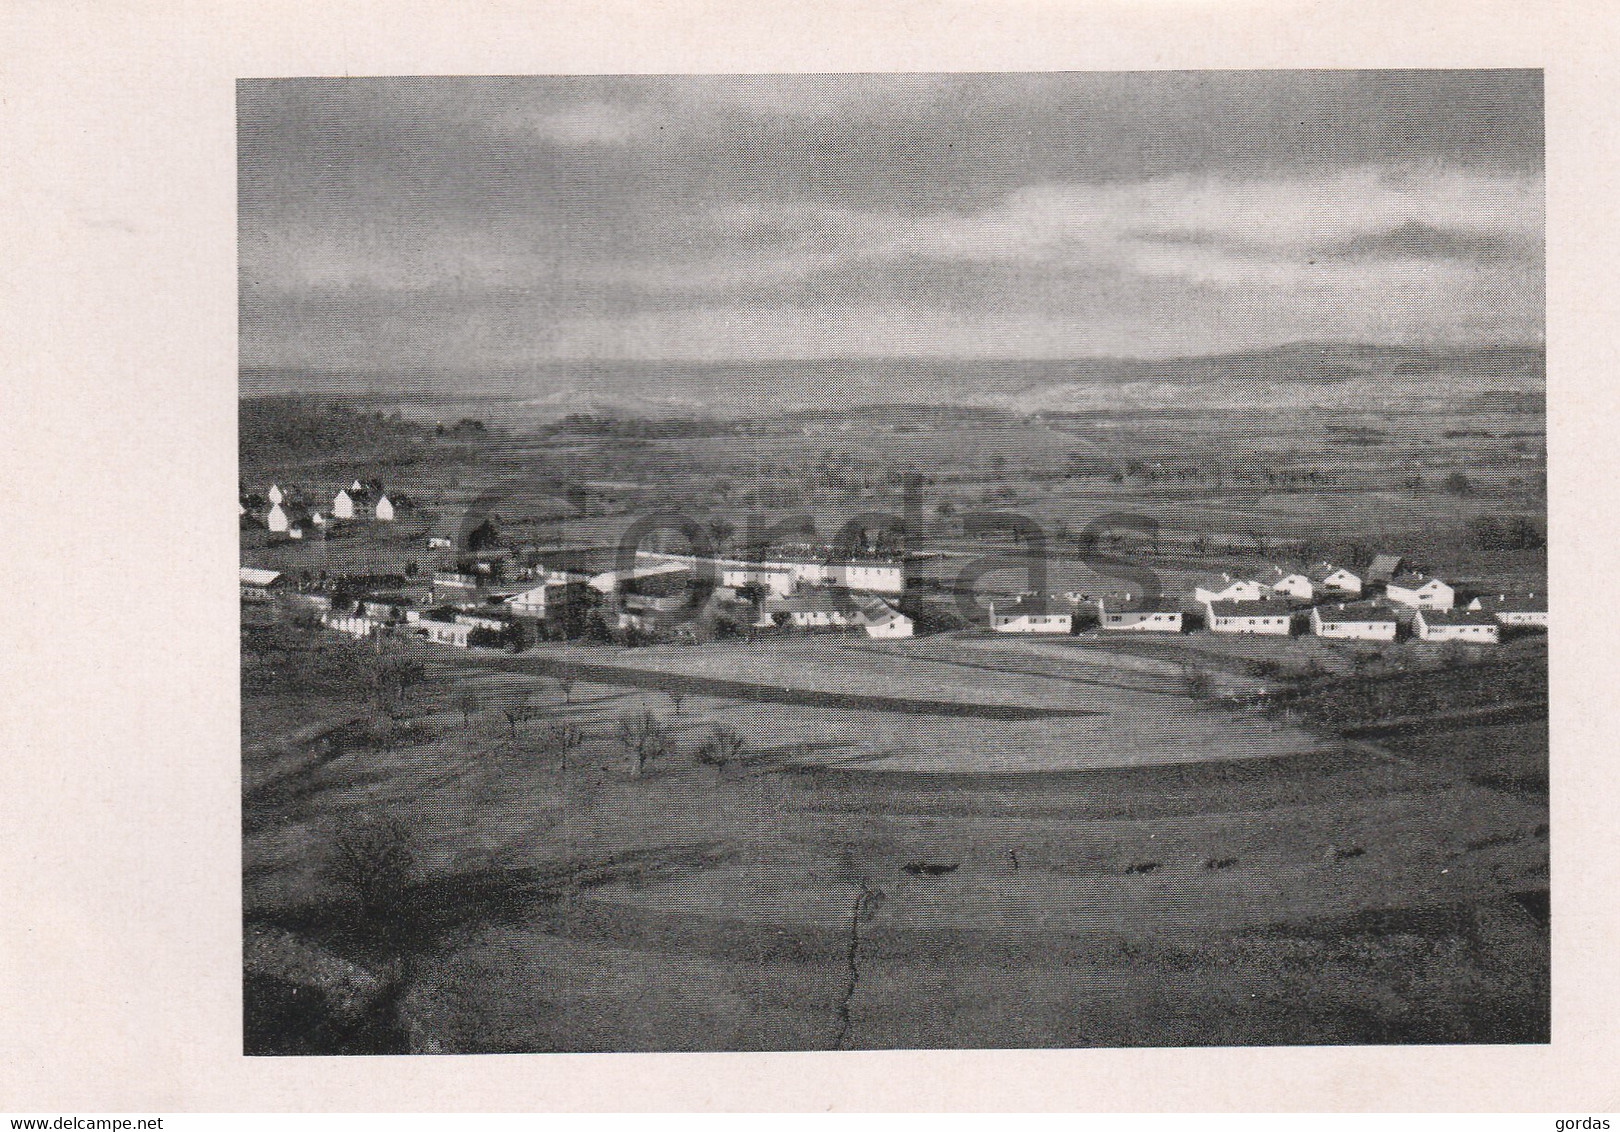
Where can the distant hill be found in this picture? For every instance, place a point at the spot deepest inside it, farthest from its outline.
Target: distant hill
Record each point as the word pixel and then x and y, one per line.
pixel 830 386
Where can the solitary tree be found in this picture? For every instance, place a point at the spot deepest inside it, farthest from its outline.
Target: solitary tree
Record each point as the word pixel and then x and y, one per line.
pixel 724 745
pixel 677 697
pixel 645 737
pixel 470 703
pixel 565 685
pixel 374 858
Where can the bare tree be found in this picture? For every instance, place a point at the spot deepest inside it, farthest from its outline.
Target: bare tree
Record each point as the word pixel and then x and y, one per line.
pixel 724 745
pixel 470 703
pixel 677 697
pixel 645 737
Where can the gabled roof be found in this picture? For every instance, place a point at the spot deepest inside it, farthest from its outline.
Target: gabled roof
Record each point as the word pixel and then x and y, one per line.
pixel 1265 607
pixel 1514 603
pixel 1456 617
pixel 1384 565
pixel 1413 581
pixel 1141 605
pixel 253 576
pixel 1358 612
pixel 1029 606
pixel 1324 570
pixel 811 601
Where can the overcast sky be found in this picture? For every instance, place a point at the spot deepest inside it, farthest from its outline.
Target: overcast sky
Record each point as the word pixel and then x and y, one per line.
pixel 475 223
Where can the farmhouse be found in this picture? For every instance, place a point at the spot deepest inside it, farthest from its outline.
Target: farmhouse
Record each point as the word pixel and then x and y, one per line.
pixel 383 511
pixel 1514 609
pixel 1030 614
pixel 274 494
pixel 1353 622
pixel 1267 616
pixel 777 581
pixel 1224 587
pixel 1419 591
pixel 359 502
pixel 812 609
pixel 276 519
pixel 1125 615
pixel 1473 625
pixel 1331 579
pixel 1288 583
pixel 444 632
pixel 883 620
pixel 259 585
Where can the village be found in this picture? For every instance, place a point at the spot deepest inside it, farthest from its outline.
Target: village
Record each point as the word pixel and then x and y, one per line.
pixel 482 594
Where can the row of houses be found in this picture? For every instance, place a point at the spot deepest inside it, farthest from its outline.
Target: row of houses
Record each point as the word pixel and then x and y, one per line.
pixel 1269 604
pixel 781 572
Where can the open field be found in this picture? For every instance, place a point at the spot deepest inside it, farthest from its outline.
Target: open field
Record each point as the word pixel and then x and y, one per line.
pixel 1069 850
pixel 592 910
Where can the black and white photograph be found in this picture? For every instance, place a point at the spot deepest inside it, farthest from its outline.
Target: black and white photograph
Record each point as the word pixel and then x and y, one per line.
pixel 800 562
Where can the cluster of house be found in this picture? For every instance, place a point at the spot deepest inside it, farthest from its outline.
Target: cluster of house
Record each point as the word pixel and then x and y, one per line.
pixel 806 592
pixel 1335 602
pixel 291 512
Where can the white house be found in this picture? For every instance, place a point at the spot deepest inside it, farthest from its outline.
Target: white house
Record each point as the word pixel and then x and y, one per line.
pixel 274 494
pixel 257 585
pixel 1472 625
pixel 1224 587
pixel 1266 617
pixel 535 601
pixel 1288 583
pixel 1030 615
pixel 873 575
pixel 1336 580
pixel 610 581
pixel 343 505
pixel 384 510
pixel 1418 591
pixel 1353 622
pixel 1513 609
pixel 438 542
pixel 1138 615
pixel 444 632
pixel 777 581
pixel 817 609
pixel 882 620
pixel 277 519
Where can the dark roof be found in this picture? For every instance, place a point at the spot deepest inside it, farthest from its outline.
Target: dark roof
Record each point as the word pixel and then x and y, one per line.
pixel 1413 581
pixel 1456 617
pixel 1265 607
pixel 1343 612
pixel 1515 603
pixel 1032 607
pixel 1384 565
pixel 1322 570
pixel 1142 605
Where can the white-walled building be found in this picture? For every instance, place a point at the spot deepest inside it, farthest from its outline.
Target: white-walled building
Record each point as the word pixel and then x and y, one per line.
pixel 383 512
pixel 1031 615
pixel 1335 580
pixel 276 519
pixel 1267 617
pixel 1473 626
pixel 444 632
pixel 1353 622
pixel 1288 583
pixel 817 609
pixel 775 581
pixel 259 585
pixel 1135 615
pixel 1419 591
pixel 1224 587
pixel 343 504
pixel 884 621
pixel 1514 609
pixel 274 494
